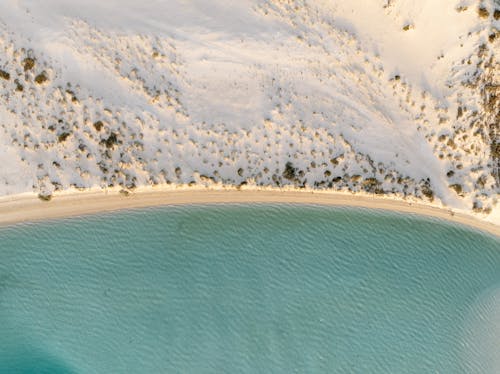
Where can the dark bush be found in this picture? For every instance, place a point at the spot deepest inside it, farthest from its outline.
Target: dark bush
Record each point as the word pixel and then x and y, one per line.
pixel 483 12
pixel 19 86
pixel 98 125
pixel 45 196
pixel 41 78
pixel 111 141
pixel 290 171
pixel 61 138
pixel 427 190
pixel 457 188
pixel 4 75
pixel 28 63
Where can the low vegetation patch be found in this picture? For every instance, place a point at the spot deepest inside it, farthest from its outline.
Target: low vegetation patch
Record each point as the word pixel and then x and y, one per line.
pixel 457 188
pixel 19 86
pixel 61 138
pixel 98 125
pixel 4 75
pixel 41 78
pixel 111 141
pixel 427 190
pixel 483 12
pixel 124 192
pixel 290 171
pixel 44 196
pixel 28 63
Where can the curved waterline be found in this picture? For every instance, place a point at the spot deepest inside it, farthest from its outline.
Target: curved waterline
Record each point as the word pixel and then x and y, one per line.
pixel 247 288
pixel 26 208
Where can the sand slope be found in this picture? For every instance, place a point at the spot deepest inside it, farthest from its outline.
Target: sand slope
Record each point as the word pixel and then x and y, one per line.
pixel 392 97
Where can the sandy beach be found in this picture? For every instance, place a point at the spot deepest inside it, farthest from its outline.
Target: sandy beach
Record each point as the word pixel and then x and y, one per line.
pixel 28 208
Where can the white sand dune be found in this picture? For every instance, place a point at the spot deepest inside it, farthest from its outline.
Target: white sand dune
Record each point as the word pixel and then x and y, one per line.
pixel 398 97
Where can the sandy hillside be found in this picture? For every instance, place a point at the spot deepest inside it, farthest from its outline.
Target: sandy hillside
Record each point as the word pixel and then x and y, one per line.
pixel 392 97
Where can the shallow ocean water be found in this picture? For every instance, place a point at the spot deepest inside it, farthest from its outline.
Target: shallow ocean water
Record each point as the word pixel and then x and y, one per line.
pixel 249 289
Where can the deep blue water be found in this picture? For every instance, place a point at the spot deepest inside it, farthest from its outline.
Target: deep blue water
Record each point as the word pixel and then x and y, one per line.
pixel 249 289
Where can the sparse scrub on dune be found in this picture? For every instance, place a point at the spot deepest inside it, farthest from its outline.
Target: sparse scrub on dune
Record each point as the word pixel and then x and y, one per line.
pixel 355 178
pixel 72 95
pixel 98 125
pixel 371 184
pixel 44 196
pixel 477 207
pixel 41 78
pixel 111 140
pixel 457 188
pixel 483 12
pixel 426 189
pixel 290 172
pixel 4 75
pixel 178 172
pixel 156 130
pixel 62 137
pixel 19 86
pixel 28 63
pixel 335 161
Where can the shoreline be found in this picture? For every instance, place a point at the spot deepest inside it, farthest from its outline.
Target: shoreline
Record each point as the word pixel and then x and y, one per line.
pixel 25 208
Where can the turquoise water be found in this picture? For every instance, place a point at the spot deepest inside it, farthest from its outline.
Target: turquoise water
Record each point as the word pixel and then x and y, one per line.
pixel 249 289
